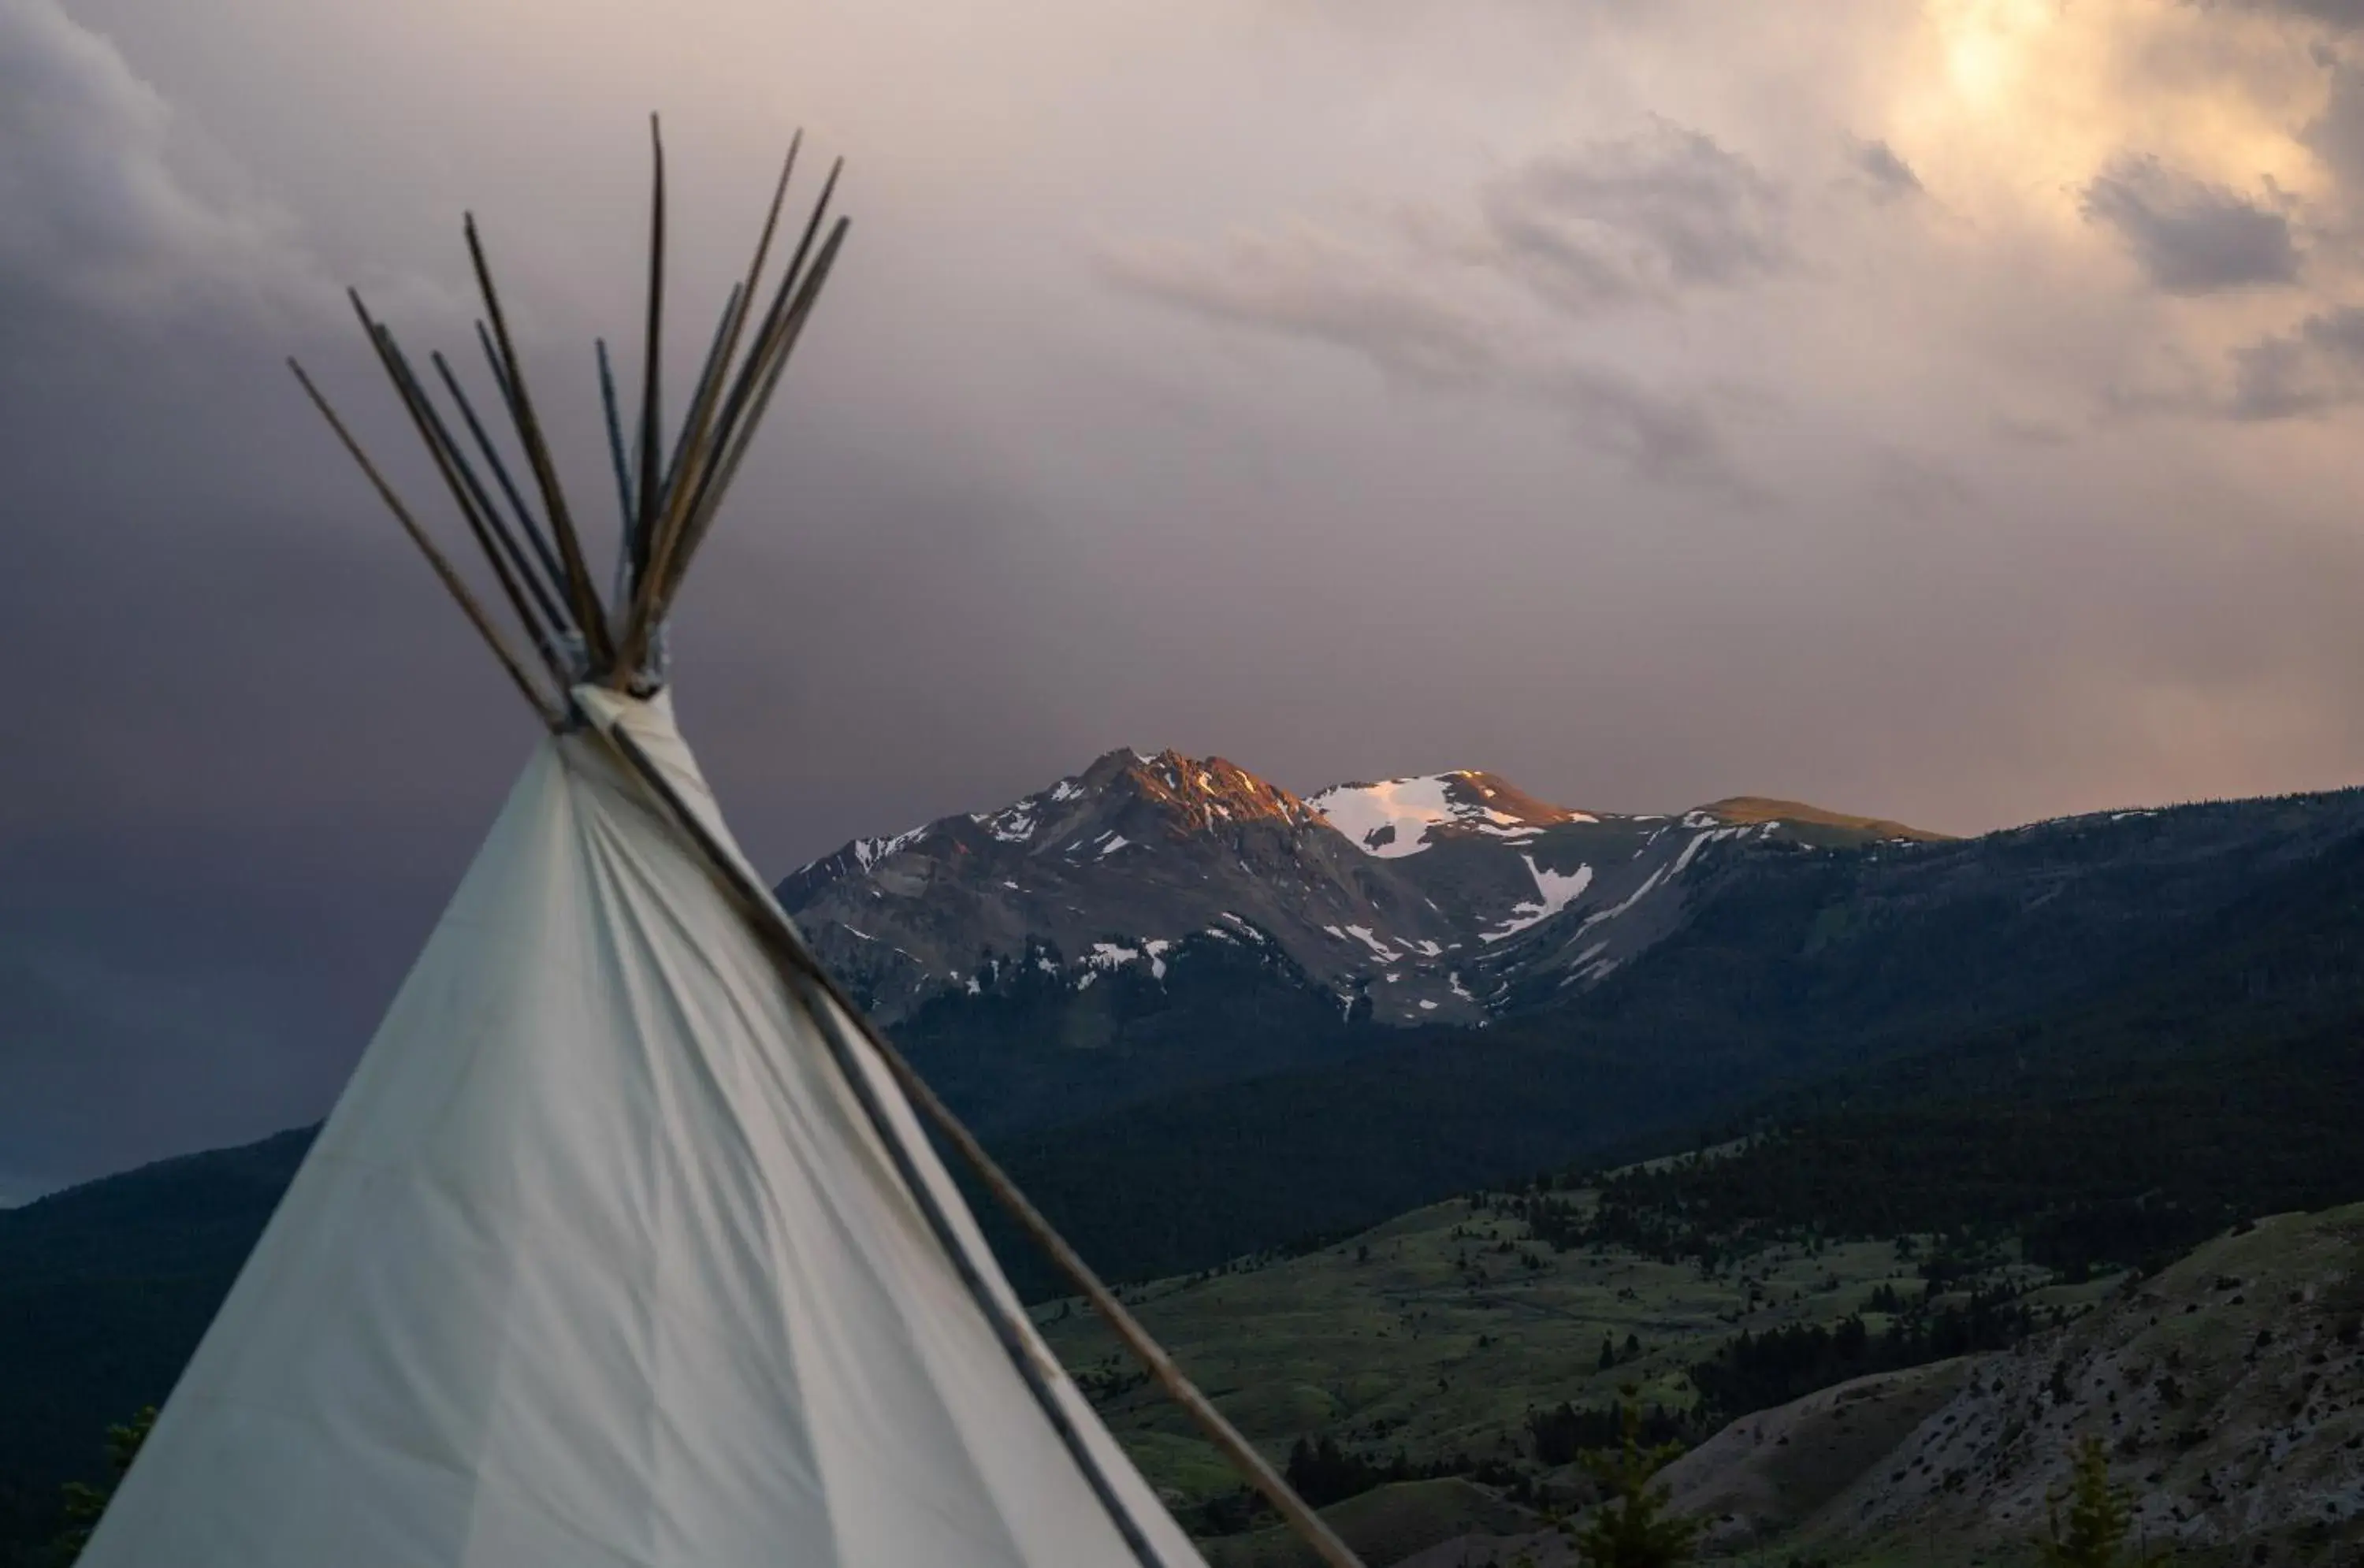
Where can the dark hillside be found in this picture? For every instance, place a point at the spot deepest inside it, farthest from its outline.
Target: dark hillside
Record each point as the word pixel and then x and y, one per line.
pixel 105 1291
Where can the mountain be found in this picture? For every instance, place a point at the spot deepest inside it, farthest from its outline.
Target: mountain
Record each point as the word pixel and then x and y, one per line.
pixel 2099 988
pixel 2018 1028
pixel 1114 867
pixel 1436 899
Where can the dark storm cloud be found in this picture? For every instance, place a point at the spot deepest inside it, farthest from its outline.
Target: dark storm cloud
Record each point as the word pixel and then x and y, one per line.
pixel 246 772
pixel 2190 237
pixel 1642 217
pixel 262 745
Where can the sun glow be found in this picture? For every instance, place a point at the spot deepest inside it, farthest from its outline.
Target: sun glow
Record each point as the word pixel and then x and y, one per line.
pixel 1985 45
pixel 2010 107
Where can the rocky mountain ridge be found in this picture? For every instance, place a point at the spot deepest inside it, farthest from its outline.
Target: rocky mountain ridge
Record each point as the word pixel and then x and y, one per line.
pixel 1433 899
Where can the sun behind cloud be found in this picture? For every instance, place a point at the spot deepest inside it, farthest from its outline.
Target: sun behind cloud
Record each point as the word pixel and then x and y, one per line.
pixel 2009 108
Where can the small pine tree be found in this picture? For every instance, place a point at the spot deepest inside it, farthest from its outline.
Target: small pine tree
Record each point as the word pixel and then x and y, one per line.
pixel 2100 1516
pixel 83 1503
pixel 1607 1353
pixel 1630 1527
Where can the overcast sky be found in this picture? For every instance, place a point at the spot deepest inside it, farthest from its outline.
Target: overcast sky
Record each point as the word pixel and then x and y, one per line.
pixel 1945 411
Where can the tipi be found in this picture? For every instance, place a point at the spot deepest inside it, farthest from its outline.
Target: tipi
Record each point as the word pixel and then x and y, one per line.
pixel 624 1247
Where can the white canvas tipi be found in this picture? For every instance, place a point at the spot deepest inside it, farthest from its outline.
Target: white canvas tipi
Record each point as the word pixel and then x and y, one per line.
pixel 624 1247
pixel 598 1262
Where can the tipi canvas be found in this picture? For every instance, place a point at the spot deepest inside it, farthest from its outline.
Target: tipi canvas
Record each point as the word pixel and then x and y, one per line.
pixel 597 1263
pixel 624 1247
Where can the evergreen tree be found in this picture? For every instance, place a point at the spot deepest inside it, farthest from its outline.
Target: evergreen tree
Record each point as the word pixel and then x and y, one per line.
pixel 1630 1527
pixel 84 1503
pixel 2100 1516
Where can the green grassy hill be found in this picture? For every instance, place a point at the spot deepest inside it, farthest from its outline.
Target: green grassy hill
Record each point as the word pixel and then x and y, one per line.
pixel 2229 1387
pixel 1385 1524
pixel 1442 1334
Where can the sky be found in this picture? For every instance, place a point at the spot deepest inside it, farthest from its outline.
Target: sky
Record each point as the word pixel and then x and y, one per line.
pixel 1945 411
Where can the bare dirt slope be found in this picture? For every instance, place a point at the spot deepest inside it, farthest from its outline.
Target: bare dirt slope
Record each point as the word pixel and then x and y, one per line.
pixel 1769 1472
pixel 2229 1390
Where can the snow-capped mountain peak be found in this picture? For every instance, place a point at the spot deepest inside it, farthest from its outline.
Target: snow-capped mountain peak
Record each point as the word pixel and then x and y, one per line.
pixel 1441 897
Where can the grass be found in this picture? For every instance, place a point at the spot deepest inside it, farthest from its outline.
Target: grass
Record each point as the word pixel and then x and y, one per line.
pixel 1385 1524
pixel 1435 1334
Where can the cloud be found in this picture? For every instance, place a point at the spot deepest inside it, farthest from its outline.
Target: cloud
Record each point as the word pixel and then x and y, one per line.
pixel 1916 483
pixel 92 207
pixel 1307 284
pixel 1449 300
pixel 1891 178
pixel 2336 135
pixel 1636 218
pixel 2188 236
pixel 2315 368
pixel 2339 14
pixel 2029 431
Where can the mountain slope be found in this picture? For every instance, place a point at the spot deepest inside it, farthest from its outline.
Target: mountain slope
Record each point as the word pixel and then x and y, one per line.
pixel 2228 1391
pixel 2144 973
pixel 1111 866
pixel 1409 901
pixel 104 1290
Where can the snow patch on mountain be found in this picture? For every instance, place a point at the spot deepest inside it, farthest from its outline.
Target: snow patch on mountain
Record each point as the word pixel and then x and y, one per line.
pixel 1554 891
pixel 1683 860
pixel 1624 904
pixel 868 852
pixel 1012 825
pixel 1387 819
pixel 1392 818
